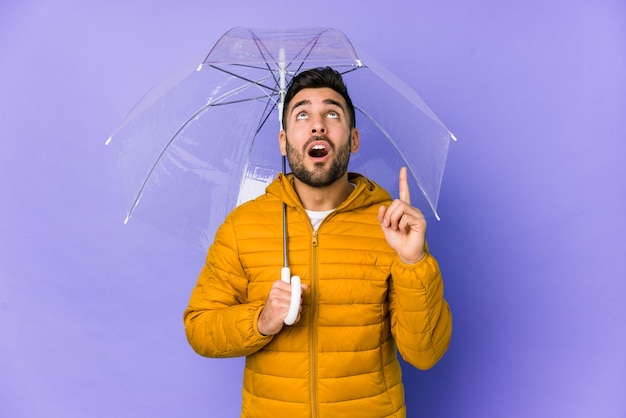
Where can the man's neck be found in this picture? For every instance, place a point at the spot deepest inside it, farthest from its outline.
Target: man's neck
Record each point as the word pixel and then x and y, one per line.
pixel 323 198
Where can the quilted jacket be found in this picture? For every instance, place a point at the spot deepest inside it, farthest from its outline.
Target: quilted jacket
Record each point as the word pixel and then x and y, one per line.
pixel 362 306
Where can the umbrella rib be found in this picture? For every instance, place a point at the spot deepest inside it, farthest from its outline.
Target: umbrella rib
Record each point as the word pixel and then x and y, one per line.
pixel 395 146
pixel 158 159
pixel 264 117
pixel 313 43
pixel 240 77
pixel 250 99
pixel 351 70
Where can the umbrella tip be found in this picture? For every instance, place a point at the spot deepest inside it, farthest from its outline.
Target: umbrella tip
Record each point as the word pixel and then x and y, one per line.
pixel 108 141
pixel 453 137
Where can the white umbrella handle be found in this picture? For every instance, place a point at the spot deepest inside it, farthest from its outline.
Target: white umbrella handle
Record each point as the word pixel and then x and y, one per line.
pixel 296 292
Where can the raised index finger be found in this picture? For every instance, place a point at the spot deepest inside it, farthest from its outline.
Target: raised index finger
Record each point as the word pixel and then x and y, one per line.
pixel 405 195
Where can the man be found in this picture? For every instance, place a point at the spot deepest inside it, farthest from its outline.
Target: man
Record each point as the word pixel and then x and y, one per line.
pixel 370 287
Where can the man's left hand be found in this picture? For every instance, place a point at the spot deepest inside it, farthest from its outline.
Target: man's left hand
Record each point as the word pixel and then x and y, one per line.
pixel 404 226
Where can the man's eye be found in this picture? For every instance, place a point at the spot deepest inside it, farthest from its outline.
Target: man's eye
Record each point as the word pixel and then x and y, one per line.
pixel 301 115
pixel 332 114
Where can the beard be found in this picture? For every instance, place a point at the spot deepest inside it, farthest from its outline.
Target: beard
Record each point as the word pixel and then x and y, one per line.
pixel 320 176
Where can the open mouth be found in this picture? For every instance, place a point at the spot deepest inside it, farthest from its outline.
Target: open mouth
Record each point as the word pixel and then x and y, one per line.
pixel 318 151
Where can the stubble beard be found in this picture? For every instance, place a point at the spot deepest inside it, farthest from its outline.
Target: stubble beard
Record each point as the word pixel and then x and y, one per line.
pixel 320 176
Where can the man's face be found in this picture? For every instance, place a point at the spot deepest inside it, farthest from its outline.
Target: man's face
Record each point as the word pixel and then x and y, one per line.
pixel 317 139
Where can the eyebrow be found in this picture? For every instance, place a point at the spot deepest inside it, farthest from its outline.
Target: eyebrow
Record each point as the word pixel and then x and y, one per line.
pixel 326 101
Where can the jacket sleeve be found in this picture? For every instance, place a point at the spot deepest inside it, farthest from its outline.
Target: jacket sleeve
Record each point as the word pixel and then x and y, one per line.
pixel 420 316
pixel 219 321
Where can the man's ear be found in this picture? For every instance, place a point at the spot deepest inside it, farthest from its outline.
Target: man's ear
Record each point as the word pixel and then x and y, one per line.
pixel 354 145
pixel 282 141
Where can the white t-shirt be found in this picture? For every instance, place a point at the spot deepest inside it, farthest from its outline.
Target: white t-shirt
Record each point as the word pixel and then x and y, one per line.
pixel 317 216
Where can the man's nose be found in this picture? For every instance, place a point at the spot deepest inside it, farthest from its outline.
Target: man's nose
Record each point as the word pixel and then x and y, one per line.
pixel 318 126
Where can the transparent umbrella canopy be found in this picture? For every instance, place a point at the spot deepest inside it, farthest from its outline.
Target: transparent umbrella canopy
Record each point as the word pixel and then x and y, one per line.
pixel 201 143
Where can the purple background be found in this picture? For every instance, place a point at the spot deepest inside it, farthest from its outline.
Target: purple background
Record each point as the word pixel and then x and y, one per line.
pixel 532 242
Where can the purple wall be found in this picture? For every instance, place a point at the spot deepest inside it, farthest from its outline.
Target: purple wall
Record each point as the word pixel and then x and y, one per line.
pixel 532 242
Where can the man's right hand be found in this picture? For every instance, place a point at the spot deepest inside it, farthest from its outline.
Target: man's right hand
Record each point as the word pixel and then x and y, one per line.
pixel 277 307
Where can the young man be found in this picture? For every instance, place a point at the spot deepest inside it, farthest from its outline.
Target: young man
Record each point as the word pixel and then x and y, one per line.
pixel 370 287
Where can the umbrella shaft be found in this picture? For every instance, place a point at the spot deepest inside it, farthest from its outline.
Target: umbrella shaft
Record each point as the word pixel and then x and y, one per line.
pixel 285 262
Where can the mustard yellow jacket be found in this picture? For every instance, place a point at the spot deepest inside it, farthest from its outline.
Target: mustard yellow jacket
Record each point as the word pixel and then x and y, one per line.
pixel 363 305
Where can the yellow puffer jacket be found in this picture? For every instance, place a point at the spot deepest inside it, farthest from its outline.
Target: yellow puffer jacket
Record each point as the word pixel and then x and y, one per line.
pixel 362 303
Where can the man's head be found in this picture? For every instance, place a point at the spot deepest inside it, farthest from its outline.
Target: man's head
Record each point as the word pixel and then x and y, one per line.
pixel 318 78
pixel 318 133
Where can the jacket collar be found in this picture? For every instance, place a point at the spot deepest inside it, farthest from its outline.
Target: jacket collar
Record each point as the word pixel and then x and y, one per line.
pixel 366 192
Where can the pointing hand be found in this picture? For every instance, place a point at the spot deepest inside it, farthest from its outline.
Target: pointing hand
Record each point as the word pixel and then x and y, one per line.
pixel 404 226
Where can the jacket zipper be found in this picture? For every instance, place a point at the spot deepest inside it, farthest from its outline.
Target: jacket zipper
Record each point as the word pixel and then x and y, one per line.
pixel 313 329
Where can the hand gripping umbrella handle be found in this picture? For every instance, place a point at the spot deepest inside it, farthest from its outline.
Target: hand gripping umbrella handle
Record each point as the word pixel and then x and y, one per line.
pixel 296 291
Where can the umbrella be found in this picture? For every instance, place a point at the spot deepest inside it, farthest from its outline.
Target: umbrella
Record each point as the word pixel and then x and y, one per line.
pixel 206 140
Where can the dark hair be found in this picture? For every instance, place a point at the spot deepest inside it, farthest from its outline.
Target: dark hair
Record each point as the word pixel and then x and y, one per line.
pixel 316 78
